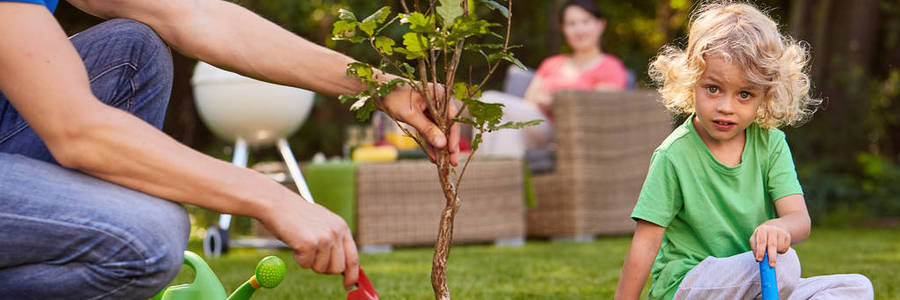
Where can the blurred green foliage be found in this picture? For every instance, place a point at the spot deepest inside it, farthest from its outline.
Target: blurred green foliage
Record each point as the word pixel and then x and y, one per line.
pixel 847 155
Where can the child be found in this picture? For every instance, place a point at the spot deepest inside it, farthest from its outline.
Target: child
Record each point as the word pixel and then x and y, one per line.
pixel 721 190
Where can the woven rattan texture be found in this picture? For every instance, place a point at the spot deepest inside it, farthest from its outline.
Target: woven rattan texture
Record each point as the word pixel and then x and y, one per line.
pixel 603 145
pixel 400 203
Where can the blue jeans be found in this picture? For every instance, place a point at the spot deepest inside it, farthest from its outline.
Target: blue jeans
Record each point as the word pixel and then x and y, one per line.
pixel 67 235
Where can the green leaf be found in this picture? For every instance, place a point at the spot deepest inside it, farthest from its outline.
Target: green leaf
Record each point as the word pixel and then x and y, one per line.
pixel 460 90
pixel 516 125
pixel 363 71
pixel 385 45
pixel 415 19
pixel 449 10
pixel 409 54
pixel 465 120
pixel 371 22
pixel 476 141
pixel 496 6
pixel 365 111
pixel 380 15
pixel 507 56
pixel 414 45
pixel 477 47
pixel 488 114
pixel 463 91
pixel 407 70
pixel 515 61
pixel 469 26
pixel 386 88
pixel 368 27
pixel 419 22
pixel 348 97
pixel 346 15
pixel 343 29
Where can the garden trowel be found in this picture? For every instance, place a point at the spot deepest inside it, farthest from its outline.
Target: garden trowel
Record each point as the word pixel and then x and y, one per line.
pixel 364 289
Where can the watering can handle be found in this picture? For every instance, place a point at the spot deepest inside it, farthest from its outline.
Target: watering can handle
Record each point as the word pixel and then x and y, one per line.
pixel 206 285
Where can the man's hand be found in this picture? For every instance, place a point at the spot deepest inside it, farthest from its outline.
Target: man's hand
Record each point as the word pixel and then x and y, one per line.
pixel 409 107
pixel 769 238
pixel 320 239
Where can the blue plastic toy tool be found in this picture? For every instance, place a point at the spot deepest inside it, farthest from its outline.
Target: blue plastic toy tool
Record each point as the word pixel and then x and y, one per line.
pixel 767 280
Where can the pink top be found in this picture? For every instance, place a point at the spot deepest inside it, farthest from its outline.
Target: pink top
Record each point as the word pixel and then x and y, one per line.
pixel 608 72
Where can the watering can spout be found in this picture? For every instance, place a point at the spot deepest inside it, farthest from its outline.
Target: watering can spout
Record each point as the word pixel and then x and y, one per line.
pixel 269 273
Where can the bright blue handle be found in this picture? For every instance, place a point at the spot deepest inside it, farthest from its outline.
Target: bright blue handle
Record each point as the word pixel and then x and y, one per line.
pixel 767 280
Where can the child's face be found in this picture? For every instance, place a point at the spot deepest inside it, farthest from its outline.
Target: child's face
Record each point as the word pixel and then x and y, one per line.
pixel 725 102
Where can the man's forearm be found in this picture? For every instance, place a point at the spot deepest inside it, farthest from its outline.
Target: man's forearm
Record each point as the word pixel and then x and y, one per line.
pixel 232 37
pixel 83 133
pixel 122 149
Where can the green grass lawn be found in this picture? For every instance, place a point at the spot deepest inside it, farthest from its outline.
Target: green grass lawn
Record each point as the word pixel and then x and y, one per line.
pixel 544 270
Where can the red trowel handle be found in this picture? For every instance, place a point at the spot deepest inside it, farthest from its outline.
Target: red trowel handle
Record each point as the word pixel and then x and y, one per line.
pixel 364 289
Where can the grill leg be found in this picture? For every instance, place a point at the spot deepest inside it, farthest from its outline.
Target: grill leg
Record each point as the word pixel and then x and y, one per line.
pixel 294 169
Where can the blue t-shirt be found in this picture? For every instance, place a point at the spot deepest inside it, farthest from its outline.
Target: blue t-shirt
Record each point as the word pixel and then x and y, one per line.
pixel 50 4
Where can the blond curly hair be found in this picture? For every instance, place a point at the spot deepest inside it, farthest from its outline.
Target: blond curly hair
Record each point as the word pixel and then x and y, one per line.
pixel 748 37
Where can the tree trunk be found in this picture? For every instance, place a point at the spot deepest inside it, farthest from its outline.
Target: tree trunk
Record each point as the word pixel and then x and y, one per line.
pixel 445 232
pixel 842 37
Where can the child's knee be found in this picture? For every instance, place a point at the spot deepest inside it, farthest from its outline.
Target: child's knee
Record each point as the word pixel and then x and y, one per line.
pixel 861 285
pixel 787 271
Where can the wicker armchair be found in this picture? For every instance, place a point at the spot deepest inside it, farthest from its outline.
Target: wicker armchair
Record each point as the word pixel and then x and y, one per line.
pixel 603 145
pixel 399 203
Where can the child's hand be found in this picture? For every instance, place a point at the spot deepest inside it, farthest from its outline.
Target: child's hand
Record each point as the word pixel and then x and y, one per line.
pixel 769 238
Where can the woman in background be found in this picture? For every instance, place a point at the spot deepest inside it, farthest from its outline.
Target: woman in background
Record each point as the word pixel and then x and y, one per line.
pixel 586 68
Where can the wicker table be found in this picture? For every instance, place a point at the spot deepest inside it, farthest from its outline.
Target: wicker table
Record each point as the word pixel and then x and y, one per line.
pixel 399 203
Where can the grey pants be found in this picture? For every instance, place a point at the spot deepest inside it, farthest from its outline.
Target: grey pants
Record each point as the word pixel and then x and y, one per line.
pixel 737 277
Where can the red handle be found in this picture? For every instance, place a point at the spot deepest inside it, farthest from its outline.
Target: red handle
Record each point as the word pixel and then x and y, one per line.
pixel 364 289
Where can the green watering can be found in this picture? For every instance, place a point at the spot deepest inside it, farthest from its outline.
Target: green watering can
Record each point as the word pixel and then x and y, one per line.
pixel 206 286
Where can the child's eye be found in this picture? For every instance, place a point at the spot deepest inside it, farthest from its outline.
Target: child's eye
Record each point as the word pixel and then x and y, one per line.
pixel 745 95
pixel 712 89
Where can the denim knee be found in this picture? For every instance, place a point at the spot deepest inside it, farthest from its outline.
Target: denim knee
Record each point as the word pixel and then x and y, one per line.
pixel 166 253
pixel 152 251
pixel 130 67
pixel 143 39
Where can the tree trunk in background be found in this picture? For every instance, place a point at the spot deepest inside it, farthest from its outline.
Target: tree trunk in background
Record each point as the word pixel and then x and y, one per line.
pixel 843 39
pixel 555 39
pixel 664 14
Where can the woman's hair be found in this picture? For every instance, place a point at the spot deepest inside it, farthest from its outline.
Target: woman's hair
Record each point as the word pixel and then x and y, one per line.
pixel 744 35
pixel 587 5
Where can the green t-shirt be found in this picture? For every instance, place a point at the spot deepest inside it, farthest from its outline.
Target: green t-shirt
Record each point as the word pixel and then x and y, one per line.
pixel 707 208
